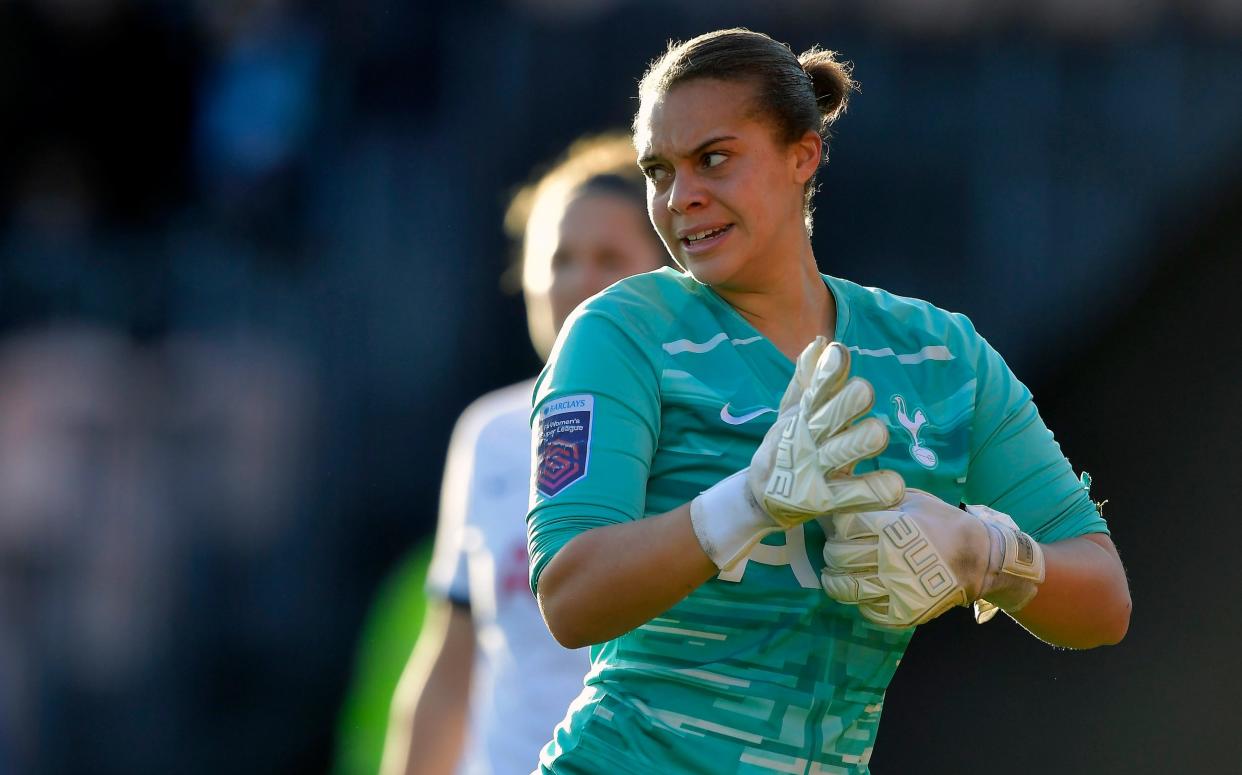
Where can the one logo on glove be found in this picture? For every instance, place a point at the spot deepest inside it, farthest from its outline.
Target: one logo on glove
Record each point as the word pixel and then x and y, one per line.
pixel 563 430
pixel 921 454
pixel 920 556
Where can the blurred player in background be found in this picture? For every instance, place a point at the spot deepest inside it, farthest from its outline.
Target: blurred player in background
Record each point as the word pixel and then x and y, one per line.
pixel 486 682
pixel 695 453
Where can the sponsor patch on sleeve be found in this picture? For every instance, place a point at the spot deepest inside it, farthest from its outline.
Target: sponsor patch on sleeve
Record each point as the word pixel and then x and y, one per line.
pixel 563 433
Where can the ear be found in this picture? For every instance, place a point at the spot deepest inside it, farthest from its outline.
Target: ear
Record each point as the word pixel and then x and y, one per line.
pixel 806 154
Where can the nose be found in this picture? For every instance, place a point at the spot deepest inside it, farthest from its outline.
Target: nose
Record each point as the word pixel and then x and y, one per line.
pixel 595 278
pixel 685 193
pixel 578 280
pixel 572 281
pixel 584 281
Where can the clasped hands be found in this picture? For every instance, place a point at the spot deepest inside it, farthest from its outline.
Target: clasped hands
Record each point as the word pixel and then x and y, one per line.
pixel 901 555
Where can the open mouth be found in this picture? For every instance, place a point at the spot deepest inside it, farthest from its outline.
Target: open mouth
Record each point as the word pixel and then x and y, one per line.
pixel 705 239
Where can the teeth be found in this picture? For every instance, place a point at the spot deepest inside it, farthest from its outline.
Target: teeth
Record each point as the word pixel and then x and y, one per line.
pixel 704 234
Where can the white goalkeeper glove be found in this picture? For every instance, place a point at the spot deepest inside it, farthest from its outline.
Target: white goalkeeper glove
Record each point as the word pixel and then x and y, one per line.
pixel 803 467
pixel 908 565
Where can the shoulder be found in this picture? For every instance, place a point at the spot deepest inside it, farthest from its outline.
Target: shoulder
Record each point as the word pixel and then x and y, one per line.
pixel 652 296
pixel 493 416
pixel 641 308
pixel 897 315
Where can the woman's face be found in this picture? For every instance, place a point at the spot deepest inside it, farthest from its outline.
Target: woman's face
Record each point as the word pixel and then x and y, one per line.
pixel 596 239
pixel 723 194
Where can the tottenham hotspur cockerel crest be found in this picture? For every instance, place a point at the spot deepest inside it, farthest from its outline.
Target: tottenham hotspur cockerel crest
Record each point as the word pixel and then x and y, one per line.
pixel 921 454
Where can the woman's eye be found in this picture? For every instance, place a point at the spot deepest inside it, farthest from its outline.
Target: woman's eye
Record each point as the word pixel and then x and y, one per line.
pixel 656 174
pixel 713 159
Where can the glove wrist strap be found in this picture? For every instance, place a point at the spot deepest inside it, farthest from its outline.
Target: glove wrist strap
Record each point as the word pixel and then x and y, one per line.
pixel 728 521
pixel 1015 570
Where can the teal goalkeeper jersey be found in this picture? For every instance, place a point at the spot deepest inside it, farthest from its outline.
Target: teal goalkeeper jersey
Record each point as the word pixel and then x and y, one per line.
pixel 656 390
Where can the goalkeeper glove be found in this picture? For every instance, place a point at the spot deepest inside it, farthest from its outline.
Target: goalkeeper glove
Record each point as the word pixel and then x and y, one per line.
pixel 803 465
pixel 909 565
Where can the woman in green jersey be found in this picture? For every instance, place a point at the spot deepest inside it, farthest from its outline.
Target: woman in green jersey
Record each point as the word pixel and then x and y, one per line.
pixel 716 506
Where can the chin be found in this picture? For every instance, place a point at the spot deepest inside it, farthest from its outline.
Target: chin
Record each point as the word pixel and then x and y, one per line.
pixel 710 271
pixel 701 273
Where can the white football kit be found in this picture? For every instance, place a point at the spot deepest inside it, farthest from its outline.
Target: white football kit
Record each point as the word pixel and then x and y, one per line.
pixel 523 680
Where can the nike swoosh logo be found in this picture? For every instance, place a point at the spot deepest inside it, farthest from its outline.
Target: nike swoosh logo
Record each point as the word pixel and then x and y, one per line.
pixel 732 419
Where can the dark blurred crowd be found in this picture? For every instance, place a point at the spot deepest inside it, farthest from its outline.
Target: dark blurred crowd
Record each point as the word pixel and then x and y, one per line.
pixel 178 587
pixel 155 599
pixel 248 262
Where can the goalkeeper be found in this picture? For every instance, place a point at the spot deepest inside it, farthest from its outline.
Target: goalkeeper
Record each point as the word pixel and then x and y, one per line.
pixel 745 520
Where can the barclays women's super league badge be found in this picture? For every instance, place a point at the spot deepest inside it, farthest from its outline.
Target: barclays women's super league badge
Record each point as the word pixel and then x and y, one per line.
pixel 564 433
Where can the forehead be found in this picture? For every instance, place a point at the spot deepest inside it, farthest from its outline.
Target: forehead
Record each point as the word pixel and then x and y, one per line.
pixel 600 213
pixel 570 216
pixel 676 122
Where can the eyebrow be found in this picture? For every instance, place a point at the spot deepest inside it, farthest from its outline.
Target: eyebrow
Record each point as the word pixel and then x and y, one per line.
pixel 697 149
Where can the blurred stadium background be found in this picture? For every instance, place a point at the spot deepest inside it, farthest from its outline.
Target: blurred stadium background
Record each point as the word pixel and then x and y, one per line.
pixel 249 253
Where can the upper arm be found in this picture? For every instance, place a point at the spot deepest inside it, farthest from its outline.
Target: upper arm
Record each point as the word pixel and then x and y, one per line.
pixel 456 658
pixel 447 576
pixel 595 427
pixel 427 716
pixel 1016 465
pixel 1105 542
pixel 442 660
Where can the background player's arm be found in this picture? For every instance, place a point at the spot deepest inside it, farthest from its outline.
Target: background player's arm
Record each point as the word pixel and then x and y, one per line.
pixel 427 723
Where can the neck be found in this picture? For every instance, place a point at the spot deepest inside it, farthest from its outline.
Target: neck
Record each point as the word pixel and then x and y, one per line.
pixel 789 303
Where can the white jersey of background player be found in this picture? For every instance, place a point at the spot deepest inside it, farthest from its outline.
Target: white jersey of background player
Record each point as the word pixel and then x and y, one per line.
pixel 486 682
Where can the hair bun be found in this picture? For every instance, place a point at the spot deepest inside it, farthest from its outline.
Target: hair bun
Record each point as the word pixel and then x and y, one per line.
pixel 831 81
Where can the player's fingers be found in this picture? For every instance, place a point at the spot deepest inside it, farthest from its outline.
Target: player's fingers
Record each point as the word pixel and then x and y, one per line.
pixel 828 414
pixel 839 587
pixel 880 613
pixel 860 441
pixel 833 364
pixel 854 526
pixel 852 556
pixel 808 359
pixel 875 491
pixel 804 370
pixel 853 588
pixel 830 372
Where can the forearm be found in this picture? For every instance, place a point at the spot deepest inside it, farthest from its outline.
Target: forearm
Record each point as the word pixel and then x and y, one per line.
pixel 427 722
pixel 1084 600
pixel 609 580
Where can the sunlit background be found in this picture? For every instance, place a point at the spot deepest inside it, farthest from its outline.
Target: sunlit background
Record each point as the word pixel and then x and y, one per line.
pixel 249 275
